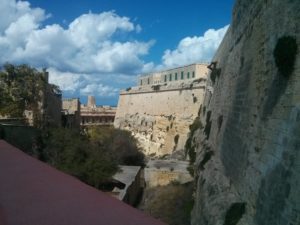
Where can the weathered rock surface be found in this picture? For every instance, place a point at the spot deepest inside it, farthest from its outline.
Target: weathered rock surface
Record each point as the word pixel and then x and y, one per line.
pixel 160 119
pixel 164 172
pixel 248 161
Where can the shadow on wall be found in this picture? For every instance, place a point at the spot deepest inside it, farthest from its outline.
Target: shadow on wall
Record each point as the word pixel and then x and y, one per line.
pixel 285 55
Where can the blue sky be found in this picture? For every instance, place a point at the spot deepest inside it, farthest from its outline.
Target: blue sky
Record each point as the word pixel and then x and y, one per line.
pixel 98 47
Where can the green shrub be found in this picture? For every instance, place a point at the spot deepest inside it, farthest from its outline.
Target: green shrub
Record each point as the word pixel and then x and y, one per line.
pixel 93 157
pixel 171 203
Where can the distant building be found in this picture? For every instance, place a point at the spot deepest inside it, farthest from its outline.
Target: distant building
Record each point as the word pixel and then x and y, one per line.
pixel 96 115
pixel 71 112
pixel 183 73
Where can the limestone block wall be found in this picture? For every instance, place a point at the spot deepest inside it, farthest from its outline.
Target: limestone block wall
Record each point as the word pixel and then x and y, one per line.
pixel 160 119
pixel 163 172
pixel 248 161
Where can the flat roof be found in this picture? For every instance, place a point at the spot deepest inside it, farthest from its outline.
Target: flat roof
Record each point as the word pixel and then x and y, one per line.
pixel 32 192
pixel 173 68
pixel 127 176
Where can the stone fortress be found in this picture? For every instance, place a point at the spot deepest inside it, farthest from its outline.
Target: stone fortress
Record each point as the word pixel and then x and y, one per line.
pixel 183 73
pixel 248 161
pixel 160 109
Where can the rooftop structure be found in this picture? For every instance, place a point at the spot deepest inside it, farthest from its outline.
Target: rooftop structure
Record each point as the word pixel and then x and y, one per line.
pixel 71 112
pixel 96 115
pixel 32 192
pixel 183 73
pixel 131 177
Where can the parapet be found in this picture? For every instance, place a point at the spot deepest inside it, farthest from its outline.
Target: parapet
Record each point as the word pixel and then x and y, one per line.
pixel 179 74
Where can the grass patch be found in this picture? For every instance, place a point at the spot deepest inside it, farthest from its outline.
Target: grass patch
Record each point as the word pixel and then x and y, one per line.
pixel 171 203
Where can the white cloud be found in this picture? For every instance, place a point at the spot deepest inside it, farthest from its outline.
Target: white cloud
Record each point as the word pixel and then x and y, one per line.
pixel 87 56
pixel 11 11
pixel 89 30
pixel 67 81
pixel 89 84
pixel 102 90
pixel 87 45
pixel 194 49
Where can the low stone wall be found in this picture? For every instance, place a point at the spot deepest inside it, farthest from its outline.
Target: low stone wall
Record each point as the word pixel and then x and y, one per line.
pixel 163 172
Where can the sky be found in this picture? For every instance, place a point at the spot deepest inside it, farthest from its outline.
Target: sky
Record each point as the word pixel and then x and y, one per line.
pixel 98 47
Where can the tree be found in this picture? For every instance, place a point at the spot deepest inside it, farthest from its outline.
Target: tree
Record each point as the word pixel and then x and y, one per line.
pixel 119 143
pixel 21 88
pixel 70 151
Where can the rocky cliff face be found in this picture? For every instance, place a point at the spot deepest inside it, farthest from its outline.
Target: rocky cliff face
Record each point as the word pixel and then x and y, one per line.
pixel 160 119
pixel 248 161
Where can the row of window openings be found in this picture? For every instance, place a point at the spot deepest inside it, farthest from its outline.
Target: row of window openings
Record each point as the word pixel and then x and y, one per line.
pixel 181 76
pixel 176 77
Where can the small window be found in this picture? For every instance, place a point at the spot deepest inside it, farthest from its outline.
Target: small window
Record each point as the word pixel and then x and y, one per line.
pixel 193 74
pixel 141 83
pixel 188 75
pixel 182 75
pixel 170 77
pixel 148 80
pixel 165 78
pixel 175 76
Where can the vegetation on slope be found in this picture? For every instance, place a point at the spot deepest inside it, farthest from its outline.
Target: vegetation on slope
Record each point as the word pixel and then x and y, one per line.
pixel 171 203
pixel 92 157
pixel 22 87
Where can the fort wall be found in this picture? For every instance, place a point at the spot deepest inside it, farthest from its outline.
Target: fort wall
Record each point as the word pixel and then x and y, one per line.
pixel 247 166
pixel 159 116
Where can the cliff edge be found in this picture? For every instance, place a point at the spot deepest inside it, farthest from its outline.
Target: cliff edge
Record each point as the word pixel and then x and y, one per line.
pixel 248 162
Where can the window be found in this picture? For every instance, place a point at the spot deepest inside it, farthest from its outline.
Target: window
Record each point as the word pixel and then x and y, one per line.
pixel 193 74
pixel 170 77
pixel 165 78
pixel 148 80
pixel 175 76
pixel 141 83
pixel 188 75
pixel 182 75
